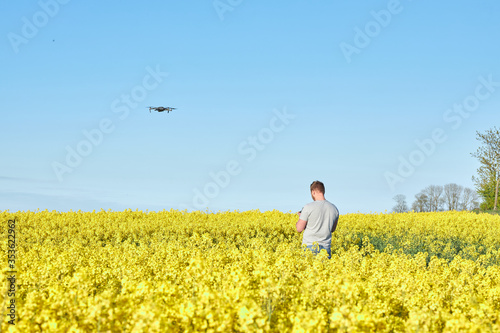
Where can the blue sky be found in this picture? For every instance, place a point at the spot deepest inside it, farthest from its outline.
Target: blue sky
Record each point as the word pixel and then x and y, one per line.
pixel 270 96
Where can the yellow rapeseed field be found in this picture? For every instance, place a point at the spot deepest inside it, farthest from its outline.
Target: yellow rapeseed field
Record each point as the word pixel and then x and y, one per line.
pixel 172 271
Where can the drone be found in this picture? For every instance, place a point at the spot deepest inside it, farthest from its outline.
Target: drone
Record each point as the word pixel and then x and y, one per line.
pixel 161 109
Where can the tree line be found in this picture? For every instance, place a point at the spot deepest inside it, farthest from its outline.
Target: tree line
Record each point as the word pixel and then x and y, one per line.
pixel 435 198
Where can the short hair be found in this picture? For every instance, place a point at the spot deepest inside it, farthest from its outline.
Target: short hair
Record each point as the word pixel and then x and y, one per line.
pixel 319 186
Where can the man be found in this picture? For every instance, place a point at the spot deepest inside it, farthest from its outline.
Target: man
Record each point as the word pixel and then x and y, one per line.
pixel 318 220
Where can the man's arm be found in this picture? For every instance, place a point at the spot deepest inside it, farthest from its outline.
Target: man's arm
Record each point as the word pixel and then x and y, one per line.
pixel 300 225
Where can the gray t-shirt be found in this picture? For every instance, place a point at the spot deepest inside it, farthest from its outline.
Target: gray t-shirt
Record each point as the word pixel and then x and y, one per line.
pixel 321 217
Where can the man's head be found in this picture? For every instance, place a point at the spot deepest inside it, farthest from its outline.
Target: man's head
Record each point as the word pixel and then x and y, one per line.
pixel 317 190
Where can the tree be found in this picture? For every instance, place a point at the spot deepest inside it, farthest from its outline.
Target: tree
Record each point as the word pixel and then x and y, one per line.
pixel 488 155
pixel 486 190
pixel 452 194
pixel 470 199
pixel 421 203
pixel 401 206
pixel 434 195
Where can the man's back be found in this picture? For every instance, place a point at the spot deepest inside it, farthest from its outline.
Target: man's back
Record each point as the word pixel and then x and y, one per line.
pixel 322 217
